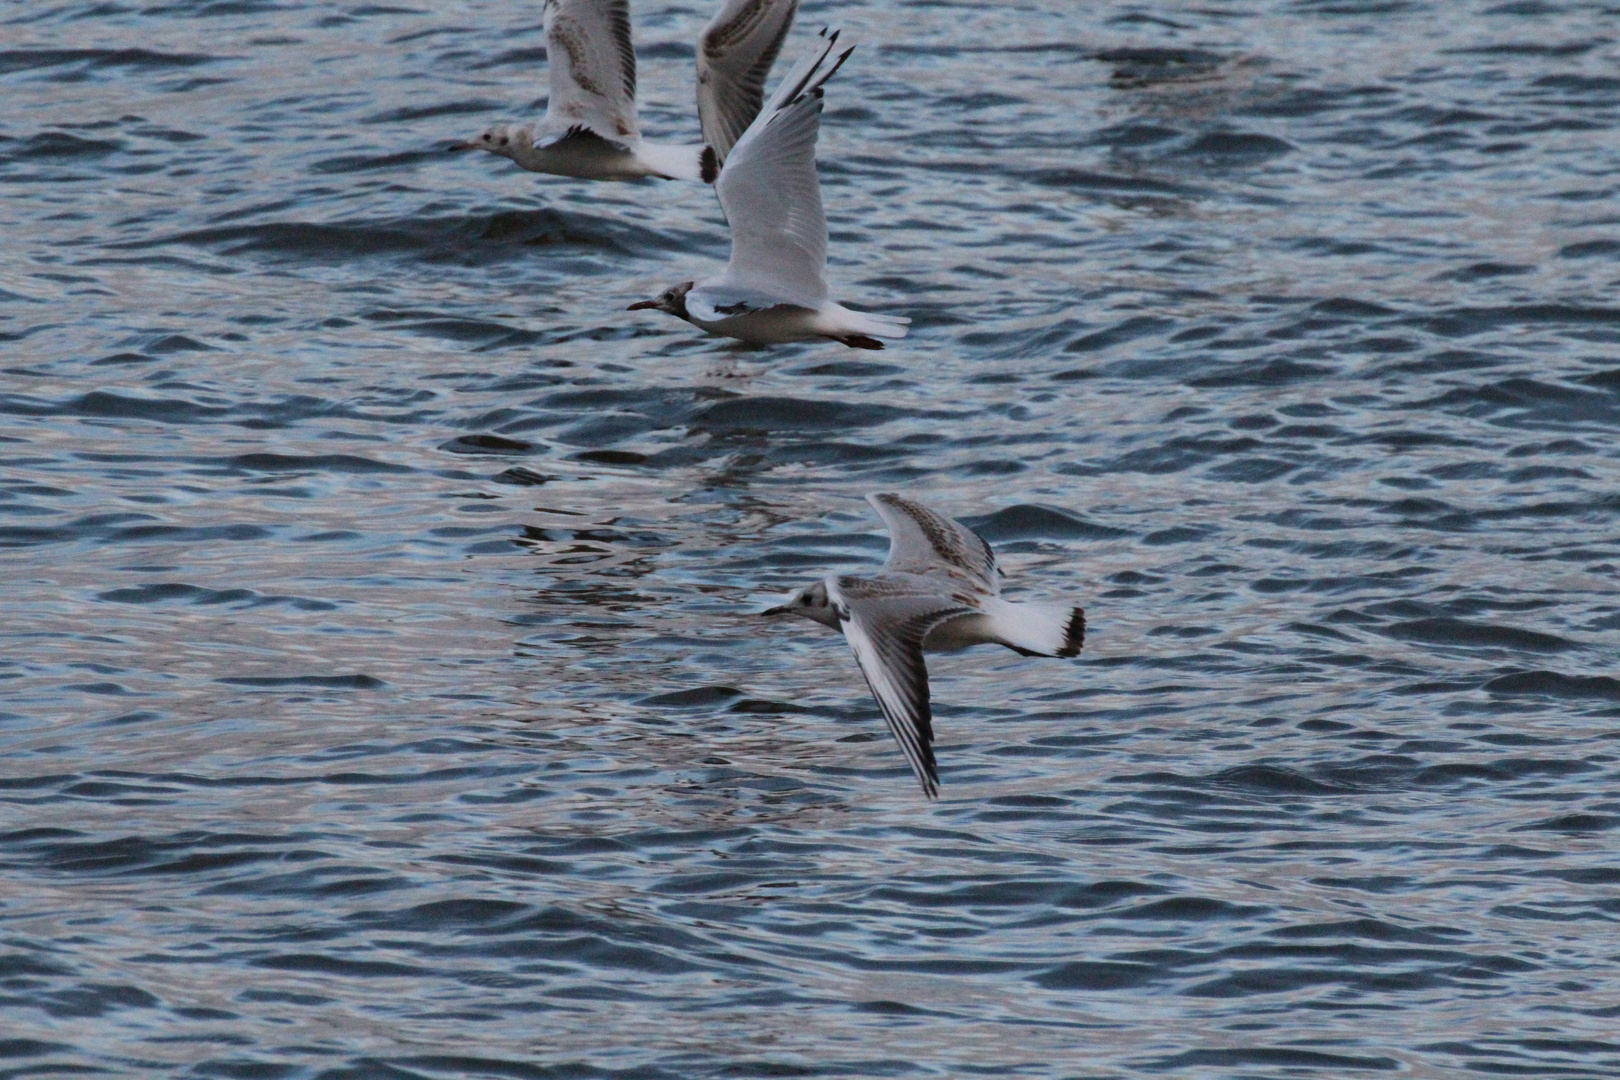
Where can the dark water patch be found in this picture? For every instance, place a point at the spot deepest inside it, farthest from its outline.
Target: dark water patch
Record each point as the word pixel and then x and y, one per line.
pixel 1590 249
pixel 22 1048
pixel 359 163
pixel 1235 147
pixel 498 445
pixel 177 592
pixel 326 682
pixel 59 145
pixel 300 465
pixel 777 414
pixel 1486 271
pixel 1139 67
pixel 610 457
pixel 1035 522
pixel 14 60
pixel 1444 631
pixel 1469 321
pixel 317 963
pixel 502 236
pixel 1370 929
pixel 698 697
pixel 407 113
pixel 1190 909
pixel 1272 1057
pixel 1275 780
pixel 1112 183
pixel 1097 975
pixel 1556 684
pixel 109 529
pixel 1133 135
pixel 1574 823
pixel 1275 372
pixel 1131 329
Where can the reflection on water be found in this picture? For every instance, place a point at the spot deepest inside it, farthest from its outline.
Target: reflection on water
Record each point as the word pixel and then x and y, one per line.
pixel 383 693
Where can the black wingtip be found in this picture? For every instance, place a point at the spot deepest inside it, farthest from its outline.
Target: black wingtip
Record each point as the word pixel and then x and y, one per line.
pixel 861 341
pixel 709 165
pixel 1075 635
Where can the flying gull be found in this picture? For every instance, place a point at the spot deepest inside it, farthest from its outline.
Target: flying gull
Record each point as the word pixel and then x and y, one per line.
pixel 774 289
pixel 940 589
pixel 589 130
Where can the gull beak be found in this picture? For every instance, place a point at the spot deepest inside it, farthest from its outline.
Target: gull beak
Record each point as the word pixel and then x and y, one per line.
pixel 455 147
pixel 642 305
pixel 780 609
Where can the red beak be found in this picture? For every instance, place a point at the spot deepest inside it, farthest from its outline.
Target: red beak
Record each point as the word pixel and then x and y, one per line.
pixel 642 304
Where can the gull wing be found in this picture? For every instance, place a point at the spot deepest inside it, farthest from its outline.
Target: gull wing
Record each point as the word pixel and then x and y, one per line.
pixel 924 542
pixel 592 68
pixel 770 194
pixel 734 54
pixel 885 624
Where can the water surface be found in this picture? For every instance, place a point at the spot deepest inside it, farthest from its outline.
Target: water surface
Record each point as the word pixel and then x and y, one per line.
pixel 380 690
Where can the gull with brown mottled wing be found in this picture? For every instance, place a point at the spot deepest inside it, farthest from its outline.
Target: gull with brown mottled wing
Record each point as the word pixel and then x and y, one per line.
pixel 589 131
pixel 939 590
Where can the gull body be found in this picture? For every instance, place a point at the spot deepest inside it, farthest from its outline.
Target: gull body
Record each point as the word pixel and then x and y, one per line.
pixel 939 590
pixel 774 290
pixel 589 131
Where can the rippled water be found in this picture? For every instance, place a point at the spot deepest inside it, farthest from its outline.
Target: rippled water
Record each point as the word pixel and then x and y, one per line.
pixel 380 694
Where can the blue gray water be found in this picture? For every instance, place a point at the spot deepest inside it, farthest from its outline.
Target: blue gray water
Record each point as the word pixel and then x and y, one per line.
pixel 380 693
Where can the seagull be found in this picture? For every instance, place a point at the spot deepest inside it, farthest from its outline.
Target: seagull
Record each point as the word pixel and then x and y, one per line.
pixel 940 589
pixel 774 289
pixel 589 130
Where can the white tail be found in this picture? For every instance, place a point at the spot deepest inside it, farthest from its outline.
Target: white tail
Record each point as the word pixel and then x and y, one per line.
pixel 678 162
pixel 1036 629
pixel 868 322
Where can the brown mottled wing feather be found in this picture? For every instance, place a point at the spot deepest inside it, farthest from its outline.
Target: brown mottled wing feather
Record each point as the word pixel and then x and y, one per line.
pixel 734 55
pixel 591 65
pixel 920 541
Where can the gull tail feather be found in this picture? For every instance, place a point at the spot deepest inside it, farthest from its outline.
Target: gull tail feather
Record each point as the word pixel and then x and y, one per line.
pixel 679 162
pixel 870 323
pixel 1037 629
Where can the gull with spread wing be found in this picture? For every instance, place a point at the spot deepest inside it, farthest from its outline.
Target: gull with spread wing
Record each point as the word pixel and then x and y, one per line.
pixel 774 289
pixel 589 131
pixel 939 590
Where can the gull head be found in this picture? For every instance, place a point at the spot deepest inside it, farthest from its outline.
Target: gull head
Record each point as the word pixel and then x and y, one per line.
pixel 507 140
pixel 812 602
pixel 672 300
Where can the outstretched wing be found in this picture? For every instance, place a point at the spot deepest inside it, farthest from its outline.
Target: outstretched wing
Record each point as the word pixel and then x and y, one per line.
pixel 770 194
pixel 592 67
pixel 885 626
pixel 734 54
pixel 924 542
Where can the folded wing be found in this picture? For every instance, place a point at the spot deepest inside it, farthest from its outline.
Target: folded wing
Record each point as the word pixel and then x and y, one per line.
pixel 734 55
pixel 592 69
pixel 770 194
pixel 922 541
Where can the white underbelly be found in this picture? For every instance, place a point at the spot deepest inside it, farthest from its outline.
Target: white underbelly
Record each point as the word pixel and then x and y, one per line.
pixel 772 326
pixel 958 633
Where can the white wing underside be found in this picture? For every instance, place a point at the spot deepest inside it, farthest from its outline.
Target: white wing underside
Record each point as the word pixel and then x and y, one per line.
pixel 772 199
pixel 924 542
pixel 885 628
pixel 735 53
pixel 591 65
